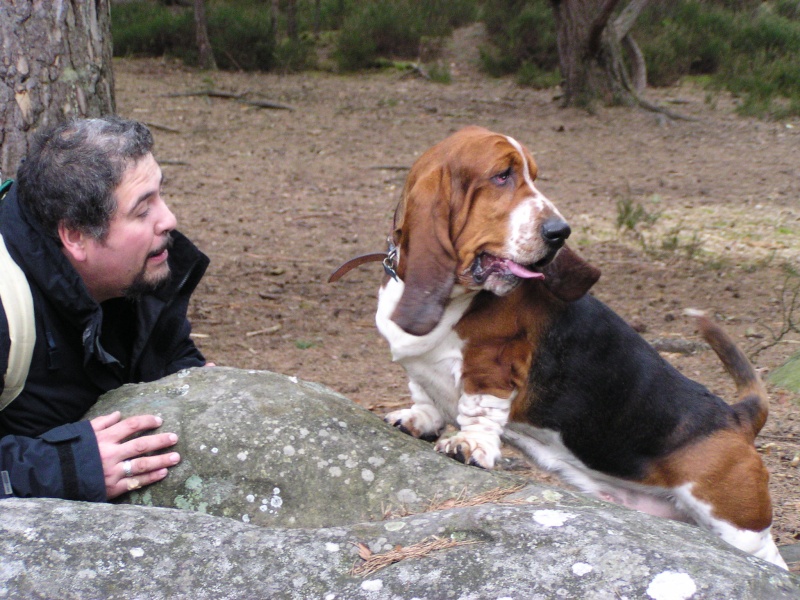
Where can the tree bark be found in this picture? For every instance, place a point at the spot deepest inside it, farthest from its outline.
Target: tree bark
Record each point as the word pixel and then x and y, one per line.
pixel 55 63
pixel 205 52
pixel 590 47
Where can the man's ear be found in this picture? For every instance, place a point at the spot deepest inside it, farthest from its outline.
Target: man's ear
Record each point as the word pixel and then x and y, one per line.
pixel 73 241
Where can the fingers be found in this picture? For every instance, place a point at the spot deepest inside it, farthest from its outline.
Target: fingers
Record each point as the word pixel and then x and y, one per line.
pixel 104 421
pixel 143 470
pixel 145 445
pixel 124 466
pixel 116 430
pixel 128 484
pixel 146 465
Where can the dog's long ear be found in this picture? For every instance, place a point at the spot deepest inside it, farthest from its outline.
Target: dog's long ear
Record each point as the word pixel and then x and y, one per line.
pixel 427 257
pixel 569 277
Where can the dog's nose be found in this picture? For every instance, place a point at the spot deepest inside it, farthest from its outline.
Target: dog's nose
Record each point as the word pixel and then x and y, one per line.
pixel 555 231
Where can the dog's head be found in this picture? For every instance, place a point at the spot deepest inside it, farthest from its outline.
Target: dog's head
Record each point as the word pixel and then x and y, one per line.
pixel 471 215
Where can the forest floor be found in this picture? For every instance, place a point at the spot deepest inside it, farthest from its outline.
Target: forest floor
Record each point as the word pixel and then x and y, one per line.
pixel 279 198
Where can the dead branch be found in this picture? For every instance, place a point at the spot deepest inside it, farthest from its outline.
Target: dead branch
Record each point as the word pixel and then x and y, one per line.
pixel 240 97
pixel 160 127
pixel 265 104
pixel 209 93
pixel 788 313
pixel 268 330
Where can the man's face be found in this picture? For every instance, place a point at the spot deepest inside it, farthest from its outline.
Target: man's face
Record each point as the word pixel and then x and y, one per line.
pixel 133 256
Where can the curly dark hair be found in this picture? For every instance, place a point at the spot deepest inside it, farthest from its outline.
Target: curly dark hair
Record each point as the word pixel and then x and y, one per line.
pixel 73 168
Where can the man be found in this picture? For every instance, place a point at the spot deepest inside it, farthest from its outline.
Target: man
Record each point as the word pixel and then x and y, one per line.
pixel 110 280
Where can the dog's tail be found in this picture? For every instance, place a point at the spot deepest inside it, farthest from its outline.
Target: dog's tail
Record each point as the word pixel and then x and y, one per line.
pixel 752 408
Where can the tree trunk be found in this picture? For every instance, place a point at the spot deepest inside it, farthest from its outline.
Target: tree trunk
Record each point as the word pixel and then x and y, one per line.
pixel 291 20
pixel 55 63
pixel 274 13
pixel 205 53
pixel 622 28
pixel 590 47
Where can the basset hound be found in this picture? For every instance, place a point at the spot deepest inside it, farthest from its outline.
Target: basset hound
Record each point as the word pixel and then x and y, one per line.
pixel 488 312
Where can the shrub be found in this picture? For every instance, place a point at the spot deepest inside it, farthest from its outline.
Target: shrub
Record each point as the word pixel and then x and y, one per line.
pixel 241 36
pixel 522 33
pixel 395 28
pixel 753 52
pixel 240 33
pixel 147 29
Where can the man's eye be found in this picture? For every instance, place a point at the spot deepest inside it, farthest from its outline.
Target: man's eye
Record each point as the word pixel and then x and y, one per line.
pixel 501 178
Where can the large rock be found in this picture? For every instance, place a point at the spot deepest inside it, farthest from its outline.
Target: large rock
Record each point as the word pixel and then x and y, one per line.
pixel 556 548
pixel 307 478
pixel 274 451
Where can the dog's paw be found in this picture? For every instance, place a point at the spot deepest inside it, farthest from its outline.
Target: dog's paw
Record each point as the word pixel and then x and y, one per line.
pixel 471 449
pixel 416 423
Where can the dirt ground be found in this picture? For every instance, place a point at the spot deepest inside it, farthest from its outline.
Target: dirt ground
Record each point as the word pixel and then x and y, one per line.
pixel 279 198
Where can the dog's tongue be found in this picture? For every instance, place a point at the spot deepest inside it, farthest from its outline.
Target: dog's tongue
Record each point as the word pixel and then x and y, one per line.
pixel 521 272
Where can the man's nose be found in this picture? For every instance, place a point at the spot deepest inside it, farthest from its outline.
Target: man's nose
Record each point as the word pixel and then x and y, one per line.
pixel 166 218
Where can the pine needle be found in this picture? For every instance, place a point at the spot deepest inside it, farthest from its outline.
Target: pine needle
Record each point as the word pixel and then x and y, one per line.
pixel 375 562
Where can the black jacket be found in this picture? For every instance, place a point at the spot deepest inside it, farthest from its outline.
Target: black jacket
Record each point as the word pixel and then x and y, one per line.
pixel 83 349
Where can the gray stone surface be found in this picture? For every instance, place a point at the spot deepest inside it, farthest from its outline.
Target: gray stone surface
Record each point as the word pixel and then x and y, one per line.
pixel 541 549
pixel 271 450
pixel 284 481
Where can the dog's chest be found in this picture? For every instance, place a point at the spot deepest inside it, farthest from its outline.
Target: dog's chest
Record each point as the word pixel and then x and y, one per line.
pixel 433 362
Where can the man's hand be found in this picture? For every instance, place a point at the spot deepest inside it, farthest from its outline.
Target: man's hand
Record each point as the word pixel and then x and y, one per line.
pixel 111 434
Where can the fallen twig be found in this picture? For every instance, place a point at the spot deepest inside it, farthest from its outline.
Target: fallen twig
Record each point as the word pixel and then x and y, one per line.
pixel 265 104
pixel 390 168
pixel 273 329
pixel 210 93
pixel 240 97
pixel 160 127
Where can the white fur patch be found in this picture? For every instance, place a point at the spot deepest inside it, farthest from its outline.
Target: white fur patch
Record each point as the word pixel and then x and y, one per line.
pixel 525 219
pixel 433 362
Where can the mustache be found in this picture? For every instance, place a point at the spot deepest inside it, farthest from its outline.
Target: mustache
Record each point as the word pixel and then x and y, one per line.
pixel 165 246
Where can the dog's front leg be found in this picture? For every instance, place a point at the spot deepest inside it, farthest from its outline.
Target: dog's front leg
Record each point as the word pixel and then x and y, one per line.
pixel 422 420
pixel 481 419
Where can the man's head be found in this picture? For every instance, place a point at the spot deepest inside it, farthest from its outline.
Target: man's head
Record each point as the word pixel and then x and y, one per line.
pixel 95 187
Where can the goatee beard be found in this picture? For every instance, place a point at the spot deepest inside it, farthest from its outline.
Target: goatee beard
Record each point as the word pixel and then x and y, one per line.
pixel 142 285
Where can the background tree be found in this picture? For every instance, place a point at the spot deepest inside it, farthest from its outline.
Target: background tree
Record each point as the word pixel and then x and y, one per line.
pixel 55 63
pixel 590 51
pixel 205 54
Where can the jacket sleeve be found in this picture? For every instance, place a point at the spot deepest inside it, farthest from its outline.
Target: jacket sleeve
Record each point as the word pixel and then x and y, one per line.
pixel 61 463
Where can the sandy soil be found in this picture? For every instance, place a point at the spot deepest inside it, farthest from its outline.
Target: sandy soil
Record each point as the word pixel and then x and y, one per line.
pixel 280 198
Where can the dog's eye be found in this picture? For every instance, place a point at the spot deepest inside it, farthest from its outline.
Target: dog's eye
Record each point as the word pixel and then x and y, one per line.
pixel 501 178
